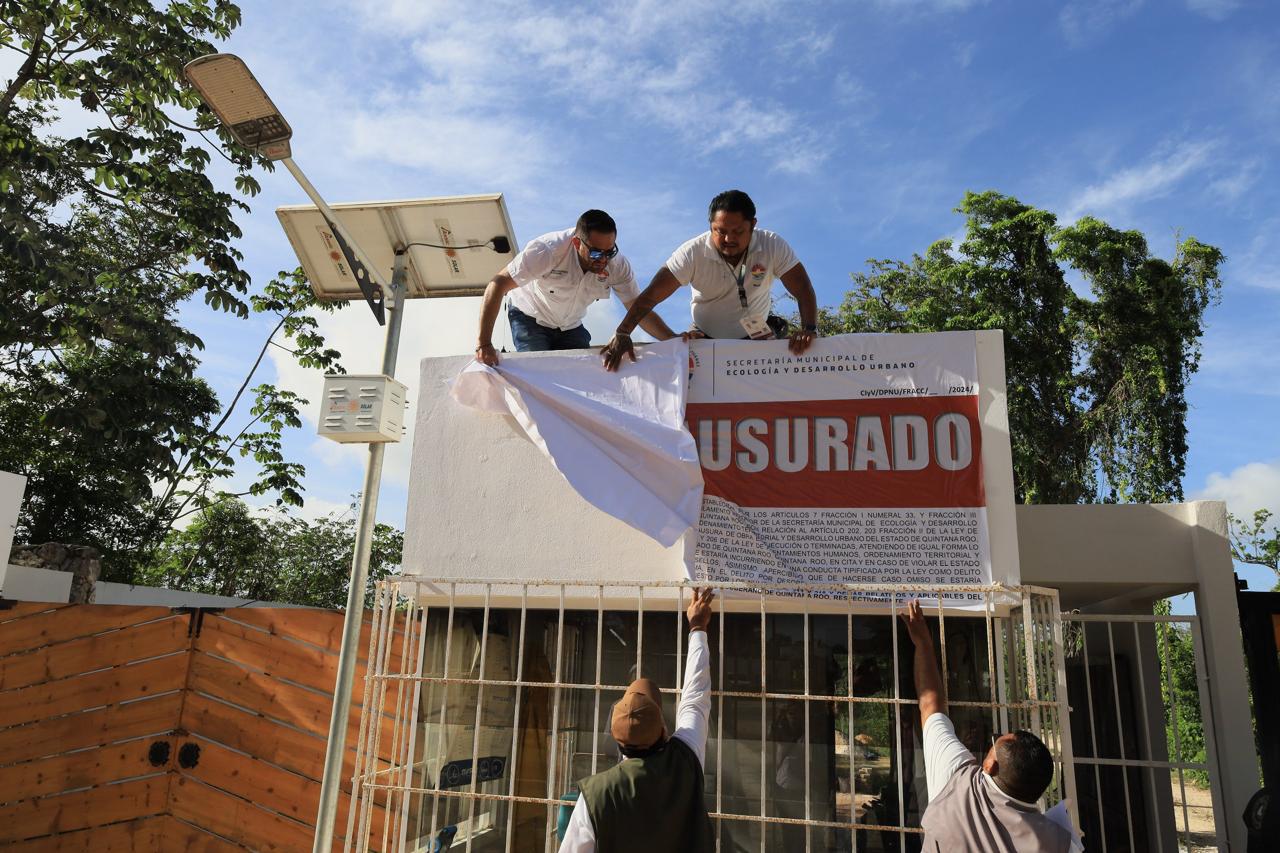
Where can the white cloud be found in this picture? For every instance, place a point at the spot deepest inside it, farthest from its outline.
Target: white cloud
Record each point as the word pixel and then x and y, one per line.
pixel 1232 186
pixel 1247 488
pixel 1084 21
pixel 1140 183
pixel 1259 265
pixel 1218 10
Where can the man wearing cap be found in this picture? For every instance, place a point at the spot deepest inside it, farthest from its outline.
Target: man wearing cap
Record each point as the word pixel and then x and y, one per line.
pixel 652 800
pixel 987 807
pixel 555 279
pixel 731 268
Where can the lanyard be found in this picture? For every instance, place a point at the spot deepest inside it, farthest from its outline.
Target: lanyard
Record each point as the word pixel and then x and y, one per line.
pixel 740 274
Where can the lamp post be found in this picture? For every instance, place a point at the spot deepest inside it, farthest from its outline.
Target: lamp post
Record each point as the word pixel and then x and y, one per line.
pixel 235 96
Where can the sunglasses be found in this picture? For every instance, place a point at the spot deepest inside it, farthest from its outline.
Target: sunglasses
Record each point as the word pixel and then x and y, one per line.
pixel 598 254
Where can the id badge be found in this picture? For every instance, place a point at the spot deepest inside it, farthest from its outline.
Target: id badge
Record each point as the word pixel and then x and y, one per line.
pixel 757 328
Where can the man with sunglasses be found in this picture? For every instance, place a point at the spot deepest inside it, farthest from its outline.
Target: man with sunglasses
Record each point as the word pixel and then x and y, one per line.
pixel 731 268
pixel 652 799
pixel 553 282
pixel 987 807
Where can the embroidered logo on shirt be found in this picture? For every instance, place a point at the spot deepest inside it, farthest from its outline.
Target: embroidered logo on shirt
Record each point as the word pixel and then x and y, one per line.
pixel 757 274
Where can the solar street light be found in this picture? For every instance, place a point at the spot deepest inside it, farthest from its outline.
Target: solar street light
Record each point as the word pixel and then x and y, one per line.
pixel 436 247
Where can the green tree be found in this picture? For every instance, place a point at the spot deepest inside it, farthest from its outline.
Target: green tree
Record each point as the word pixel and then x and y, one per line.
pixel 229 549
pixel 1096 386
pixel 1256 541
pixel 106 234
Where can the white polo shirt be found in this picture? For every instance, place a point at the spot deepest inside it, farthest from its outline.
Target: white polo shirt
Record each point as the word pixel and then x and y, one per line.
pixel 555 291
pixel 717 309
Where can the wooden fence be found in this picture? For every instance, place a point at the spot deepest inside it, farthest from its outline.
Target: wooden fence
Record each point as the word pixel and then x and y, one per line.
pixel 145 728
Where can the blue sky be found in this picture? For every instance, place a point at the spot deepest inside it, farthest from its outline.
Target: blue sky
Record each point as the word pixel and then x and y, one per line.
pixel 856 126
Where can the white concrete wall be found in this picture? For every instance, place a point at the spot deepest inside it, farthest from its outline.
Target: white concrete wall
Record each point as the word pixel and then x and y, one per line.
pixel 28 583
pixel 12 488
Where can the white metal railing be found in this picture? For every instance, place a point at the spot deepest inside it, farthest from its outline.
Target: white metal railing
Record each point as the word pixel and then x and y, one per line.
pixel 483 683
pixel 1134 753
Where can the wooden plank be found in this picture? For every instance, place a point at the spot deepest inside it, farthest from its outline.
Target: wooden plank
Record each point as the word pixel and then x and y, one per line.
pixel 83 809
pixel 93 653
pixel 13 610
pixel 297 706
pixel 292 795
pixel 53 775
pixel 236 819
pixel 133 836
pixel 72 622
pixel 77 731
pixel 145 835
pixel 108 687
pixel 319 627
pixel 301 663
pixel 289 748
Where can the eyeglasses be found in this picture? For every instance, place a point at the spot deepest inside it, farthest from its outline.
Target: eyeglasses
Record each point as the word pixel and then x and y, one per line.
pixel 598 254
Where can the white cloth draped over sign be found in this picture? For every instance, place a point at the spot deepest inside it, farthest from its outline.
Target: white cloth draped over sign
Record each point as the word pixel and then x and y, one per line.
pixel 618 438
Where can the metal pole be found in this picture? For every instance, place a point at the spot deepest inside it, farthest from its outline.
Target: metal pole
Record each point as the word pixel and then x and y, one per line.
pixel 336 747
pixel 346 235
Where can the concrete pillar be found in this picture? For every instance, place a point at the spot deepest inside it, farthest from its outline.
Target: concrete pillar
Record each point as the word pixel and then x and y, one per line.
pixel 1236 753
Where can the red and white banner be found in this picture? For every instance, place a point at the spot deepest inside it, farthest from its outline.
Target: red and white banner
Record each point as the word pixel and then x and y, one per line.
pixel 859 461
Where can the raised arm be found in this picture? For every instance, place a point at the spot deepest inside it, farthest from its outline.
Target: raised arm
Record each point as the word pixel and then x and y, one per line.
pixel 932 697
pixel 693 714
pixel 663 285
pixel 500 286
pixel 796 281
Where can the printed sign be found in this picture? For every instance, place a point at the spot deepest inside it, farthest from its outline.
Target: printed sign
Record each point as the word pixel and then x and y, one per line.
pixel 859 461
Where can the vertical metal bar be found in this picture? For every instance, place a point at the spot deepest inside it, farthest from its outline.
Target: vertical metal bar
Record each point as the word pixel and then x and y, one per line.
pixel 853 776
pixel 1204 694
pixel 475 732
pixel 679 643
pixel 444 701
pixel 897 722
pixel 552 750
pixel 398 733
pixel 416 707
pixel 1064 721
pixel 988 615
pixel 1146 728
pixel 808 829
pixel 764 726
pixel 595 719
pixel 1124 769
pixel 1093 733
pixel 1003 682
pixel 1028 648
pixel 720 736
pixel 942 642
pixel 515 723
pixel 640 634
pixel 1177 734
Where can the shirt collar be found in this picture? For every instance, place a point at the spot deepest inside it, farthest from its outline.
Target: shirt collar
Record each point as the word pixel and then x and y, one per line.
pixel 992 782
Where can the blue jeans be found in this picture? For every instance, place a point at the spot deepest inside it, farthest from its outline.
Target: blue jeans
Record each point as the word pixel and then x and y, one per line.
pixel 528 336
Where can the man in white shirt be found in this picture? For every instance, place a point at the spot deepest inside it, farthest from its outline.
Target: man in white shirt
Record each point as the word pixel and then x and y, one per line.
pixel 555 279
pixel 653 798
pixel 731 268
pixel 988 807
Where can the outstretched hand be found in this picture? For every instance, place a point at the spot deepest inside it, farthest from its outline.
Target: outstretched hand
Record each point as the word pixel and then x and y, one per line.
pixel 611 353
pixel 917 627
pixel 699 610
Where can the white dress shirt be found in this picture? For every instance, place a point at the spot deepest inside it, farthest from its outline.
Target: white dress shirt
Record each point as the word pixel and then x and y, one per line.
pixel 693 714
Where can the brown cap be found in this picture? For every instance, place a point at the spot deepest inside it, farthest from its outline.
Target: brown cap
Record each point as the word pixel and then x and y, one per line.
pixel 637 718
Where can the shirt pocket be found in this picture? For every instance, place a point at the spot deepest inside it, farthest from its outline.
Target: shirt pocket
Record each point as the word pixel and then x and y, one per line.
pixel 597 290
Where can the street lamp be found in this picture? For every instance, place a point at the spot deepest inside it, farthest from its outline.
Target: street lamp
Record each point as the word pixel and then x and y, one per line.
pixel 339 269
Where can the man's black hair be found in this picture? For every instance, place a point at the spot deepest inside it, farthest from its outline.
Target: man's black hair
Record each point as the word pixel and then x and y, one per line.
pixel 732 201
pixel 1026 767
pixel 595 221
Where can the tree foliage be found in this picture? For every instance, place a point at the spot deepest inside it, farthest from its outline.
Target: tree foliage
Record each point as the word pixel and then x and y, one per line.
pixel 1097 385
pixel 110 227
pixel 228 549
pixel 1257 541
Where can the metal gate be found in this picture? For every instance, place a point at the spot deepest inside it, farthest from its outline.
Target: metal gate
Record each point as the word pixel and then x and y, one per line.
pixel 1144 755
pixel 495 697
